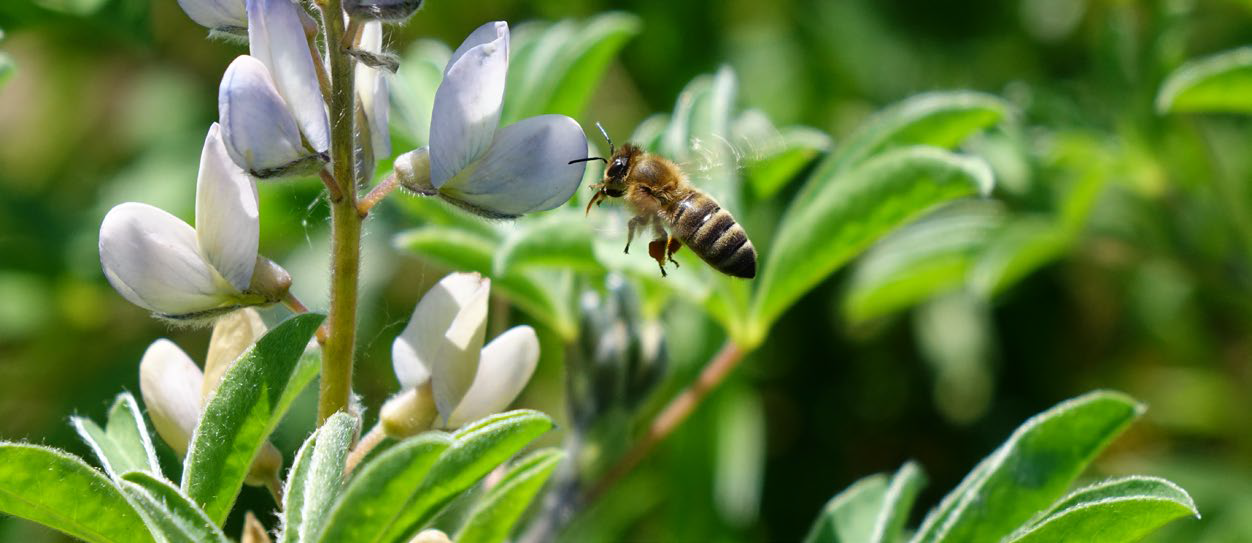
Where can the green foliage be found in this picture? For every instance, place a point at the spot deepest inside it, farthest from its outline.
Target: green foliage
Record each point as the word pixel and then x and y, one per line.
pixel 1124 509
pixel 124 443
pixel 168 512
pixel 1009 492
pixel 62 492
pixel 315 478
pixel 1219 83
pixel 252 397
pixel 872 510
pixel 499 509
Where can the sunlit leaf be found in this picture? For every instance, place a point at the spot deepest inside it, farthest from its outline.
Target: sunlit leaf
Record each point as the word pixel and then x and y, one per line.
pixel 1116 511
pixel 168 512
pixel 1219 83
pixel 498 510
pixel 62 492
pixel 253 396
pixel 1030 470
pixel 315 478
pixel 872 510
pixel 478 449
pixel 845 214
pixel 124 443
pixel 383 489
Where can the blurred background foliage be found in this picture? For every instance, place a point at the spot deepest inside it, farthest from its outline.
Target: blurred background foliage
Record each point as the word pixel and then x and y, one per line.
pixel 1116 252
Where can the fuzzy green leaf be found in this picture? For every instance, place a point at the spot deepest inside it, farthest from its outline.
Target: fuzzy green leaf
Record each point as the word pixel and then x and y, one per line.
pixel 1116 511
pixel 872 510
pixel 848 213
pixel 779 163
pixel 478 449
pixel 1030 470
pixel 62 492
pixel 1221 83
pixel 497 512
pixel 315 478
pixel 1022 246
pixel 124 443
pixel 383 489
pixel 169 513
pixel 253 396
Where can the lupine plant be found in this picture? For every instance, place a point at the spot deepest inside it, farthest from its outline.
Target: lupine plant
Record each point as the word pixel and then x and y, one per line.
pixel 482 138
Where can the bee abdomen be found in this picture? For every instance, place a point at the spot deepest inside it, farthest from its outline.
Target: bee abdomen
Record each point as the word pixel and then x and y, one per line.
pixel 713 235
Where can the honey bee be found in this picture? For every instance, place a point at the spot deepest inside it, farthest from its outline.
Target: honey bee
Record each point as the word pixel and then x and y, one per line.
pixel 661 196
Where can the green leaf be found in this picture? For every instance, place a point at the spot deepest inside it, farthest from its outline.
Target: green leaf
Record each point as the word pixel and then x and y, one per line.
pixel 251 399
pixel 478 449
pixel 872 510
pixel 1030 470
pixel 921 260
pixel 1114 511
pixel 169 513
pixel 1219 83
pixel 315 478
pixel 124 444
pixel 7 68
pixel 1022 246
pixel 62 492
pixel 541 294
pixel 780 162
pixel 497 512
pixel 434 211
pixel 554 68
pixel 846 214
pixel 383 489
pixel 557 240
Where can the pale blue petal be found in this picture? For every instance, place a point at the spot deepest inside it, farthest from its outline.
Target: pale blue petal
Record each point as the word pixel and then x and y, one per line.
pixel 467 103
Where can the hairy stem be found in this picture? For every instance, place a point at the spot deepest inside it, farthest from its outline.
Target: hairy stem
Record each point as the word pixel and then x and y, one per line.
pixel 381 190
pixel 345 224
pixel 298 307
pixel 671 417
pixel 368 441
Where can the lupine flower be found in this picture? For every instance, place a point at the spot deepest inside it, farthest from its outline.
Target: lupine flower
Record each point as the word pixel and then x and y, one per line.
pixel 175 391
pixel 371 91
pixel 273 116
pixel 447 377
pixel 162 264
pixel 224 16
pixel 494 172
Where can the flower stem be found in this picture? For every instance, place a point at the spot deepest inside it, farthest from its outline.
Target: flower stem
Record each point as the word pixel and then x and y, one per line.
pixel 380 191
pixel 298 307
pixel 345 224
pixel 368 441
pixel 670 418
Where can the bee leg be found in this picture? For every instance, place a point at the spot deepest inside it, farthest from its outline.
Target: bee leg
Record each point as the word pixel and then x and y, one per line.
pixel 674 246
pixel 656 249
pixel 631 226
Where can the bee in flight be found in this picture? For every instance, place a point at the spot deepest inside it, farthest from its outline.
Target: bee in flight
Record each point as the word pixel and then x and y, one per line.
pixel 661 196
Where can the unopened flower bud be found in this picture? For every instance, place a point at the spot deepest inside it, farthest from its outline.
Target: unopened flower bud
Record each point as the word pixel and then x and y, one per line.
pixel 385 10
pixel 170 385
pixel 408 413
pixel 412 170
pixel 232 335
pixel 269 281
pixel 253 530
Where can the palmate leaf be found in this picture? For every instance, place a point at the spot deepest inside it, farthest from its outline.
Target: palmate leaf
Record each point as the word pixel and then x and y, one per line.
pixel 1030 470
pixel 872 510
pixel 1219 83
pixel 124 443
pixel 315 478
pixel 844 215
pixel 253 396
pixel 1115 511
pixel 497 512
pixel 62 492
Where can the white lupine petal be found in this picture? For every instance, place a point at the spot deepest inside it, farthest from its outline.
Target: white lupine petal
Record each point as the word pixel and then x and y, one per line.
pixel 443 338
pixel 467 102
pixel 526 168
pixel 276 38
pixel 484 34
pixel 170 385
pixel 259 133
pixel 504 368
pixel 152 259
pixel 227 220
pixel 232 335
pixel 216 14
pixel 372 88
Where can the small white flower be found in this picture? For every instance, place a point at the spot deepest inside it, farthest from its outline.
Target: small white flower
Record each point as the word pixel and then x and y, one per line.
pixel 372 88
pixel 273 117
pixel 441 350
pixel 226 16
pixel 160 263
pixel 494 172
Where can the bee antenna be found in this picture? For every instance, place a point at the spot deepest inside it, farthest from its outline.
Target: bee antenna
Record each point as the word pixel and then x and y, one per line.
pixel 589 159
pixel 604 133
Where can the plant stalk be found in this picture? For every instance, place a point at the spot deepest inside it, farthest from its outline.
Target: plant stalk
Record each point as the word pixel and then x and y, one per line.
pixel 345 225
pixel 670 418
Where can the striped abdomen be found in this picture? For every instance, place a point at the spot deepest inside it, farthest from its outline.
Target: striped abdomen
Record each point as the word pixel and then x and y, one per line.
pixel 713 235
